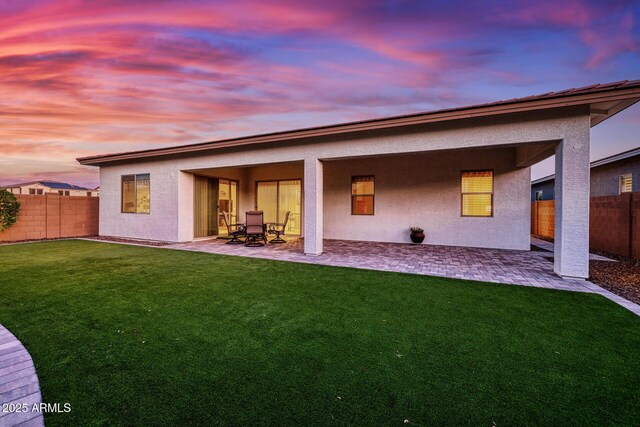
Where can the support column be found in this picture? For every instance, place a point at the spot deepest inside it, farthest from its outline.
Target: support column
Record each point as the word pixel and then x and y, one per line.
pixel 571 247
pixel 184 210
pixel 313 198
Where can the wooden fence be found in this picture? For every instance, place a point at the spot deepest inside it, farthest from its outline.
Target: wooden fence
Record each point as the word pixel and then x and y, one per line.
pixel 542 218
pixel 614 223
pixel 49 216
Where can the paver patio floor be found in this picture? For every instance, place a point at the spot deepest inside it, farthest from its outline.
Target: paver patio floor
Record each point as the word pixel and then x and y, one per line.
pixel 527 268
pixel 19 386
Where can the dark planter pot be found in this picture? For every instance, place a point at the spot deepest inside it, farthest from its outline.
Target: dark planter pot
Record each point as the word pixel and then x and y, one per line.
pixel 417 237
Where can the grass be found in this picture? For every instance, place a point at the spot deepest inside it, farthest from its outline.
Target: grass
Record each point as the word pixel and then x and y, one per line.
pixel 147 336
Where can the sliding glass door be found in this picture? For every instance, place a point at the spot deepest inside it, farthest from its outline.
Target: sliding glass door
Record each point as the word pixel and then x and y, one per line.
pixel 267 200
pixel 212 197
pixel 275 198
pixel 205 206
pixel 289 198
pixel 227 202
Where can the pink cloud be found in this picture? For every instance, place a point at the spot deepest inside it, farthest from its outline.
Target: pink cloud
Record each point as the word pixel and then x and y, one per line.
pixel 570 13
pixel 79 77
pixel 619 41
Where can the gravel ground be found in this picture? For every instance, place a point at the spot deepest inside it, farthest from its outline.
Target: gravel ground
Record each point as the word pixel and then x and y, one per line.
pixel 621 278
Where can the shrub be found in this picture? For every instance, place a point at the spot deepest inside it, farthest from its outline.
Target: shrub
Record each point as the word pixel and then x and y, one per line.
pixel 9 209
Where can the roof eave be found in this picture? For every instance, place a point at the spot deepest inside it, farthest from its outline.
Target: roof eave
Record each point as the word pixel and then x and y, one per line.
pixel 628 94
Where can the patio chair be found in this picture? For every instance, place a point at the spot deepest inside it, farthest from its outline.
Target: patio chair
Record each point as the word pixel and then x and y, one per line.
pixel 255 229
pixel 233 230
pixel 279 229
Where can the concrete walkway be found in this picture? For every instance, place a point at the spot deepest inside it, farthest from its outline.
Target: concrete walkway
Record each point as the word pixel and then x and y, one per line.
pixel 549 247
pixel 525 268
pixel 19 386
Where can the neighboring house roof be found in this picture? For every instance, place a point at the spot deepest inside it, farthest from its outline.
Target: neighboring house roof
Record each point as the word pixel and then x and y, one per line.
pixel 604 161
pixel 543 179
pixel 51 184
pixel 605 100
pixel 620 156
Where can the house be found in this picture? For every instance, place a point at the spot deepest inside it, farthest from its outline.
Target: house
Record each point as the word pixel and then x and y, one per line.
pixel 462 174
pixel 610 176
pixel 51 187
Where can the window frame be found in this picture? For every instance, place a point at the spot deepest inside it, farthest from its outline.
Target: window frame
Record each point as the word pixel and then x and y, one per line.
pixel 625 176
pixel 462 194
pixel 373 195
pixel 135 193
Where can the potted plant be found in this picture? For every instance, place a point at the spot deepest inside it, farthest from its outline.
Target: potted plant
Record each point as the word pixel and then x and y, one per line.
pixel 417 234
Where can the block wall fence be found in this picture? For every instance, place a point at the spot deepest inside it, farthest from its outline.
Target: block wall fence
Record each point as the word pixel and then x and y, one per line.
pixel 50 216
pixel 614 223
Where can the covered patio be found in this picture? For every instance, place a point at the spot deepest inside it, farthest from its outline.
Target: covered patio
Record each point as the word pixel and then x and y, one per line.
pixel 274 189
pixel 525 268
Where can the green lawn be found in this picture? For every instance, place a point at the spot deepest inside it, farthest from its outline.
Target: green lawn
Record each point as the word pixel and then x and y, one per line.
pixel 148 336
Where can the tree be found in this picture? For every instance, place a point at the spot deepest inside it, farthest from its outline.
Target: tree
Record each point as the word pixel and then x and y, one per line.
pixel 9 209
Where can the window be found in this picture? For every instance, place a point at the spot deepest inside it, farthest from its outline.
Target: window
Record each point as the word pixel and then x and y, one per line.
pixel 626 183
pixel 477 193
pixel 88 193
pixel 362 195
pixel 136 193
pixel 32 191
pixel 60 192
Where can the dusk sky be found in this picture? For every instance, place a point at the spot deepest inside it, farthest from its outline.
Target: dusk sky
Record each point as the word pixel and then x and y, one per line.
pixel 80 78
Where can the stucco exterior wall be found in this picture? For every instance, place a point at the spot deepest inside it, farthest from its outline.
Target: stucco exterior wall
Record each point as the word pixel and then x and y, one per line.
pixel 425 190
pixel 605 180
pixel 571 222
pixel 547 188
pixel 171 216
pixel 162 221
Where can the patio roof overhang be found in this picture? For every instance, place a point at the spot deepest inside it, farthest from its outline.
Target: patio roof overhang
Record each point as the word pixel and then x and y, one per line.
pixel 604 101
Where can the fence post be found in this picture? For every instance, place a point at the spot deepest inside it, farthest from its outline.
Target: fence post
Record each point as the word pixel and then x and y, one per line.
pixel 536 218
pixel 537 213
pixel 52 219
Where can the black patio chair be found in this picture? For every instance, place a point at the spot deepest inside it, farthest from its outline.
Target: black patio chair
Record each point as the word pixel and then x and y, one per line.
pixel 255 229
pixel 279 229
pixel 235 231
